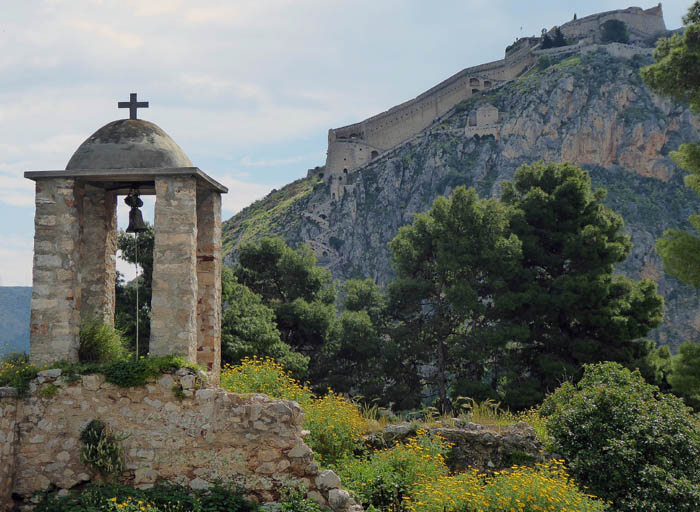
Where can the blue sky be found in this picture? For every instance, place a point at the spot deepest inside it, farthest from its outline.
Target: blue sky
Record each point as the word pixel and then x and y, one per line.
pixel 247 88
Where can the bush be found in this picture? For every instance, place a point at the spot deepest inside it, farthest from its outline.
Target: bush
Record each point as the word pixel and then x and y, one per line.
pixel 100 343
pixel 544 487
pixel 102 449
pixel 626 441
pixel 387 477
pixel 163 497
pixel 335 423
pixel 16 372
pixel 336 427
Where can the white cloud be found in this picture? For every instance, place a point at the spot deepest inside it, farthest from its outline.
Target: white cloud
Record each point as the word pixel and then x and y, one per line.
pixel 16 262
pixel 16 191
pixel 124 39
pixel 277 162
pixel 241 194
pixel 216 14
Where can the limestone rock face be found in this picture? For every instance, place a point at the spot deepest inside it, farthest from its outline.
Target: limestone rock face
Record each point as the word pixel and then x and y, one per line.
pixel 590 108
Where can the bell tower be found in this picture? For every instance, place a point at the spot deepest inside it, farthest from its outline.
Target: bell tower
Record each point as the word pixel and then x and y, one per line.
pixel 75 242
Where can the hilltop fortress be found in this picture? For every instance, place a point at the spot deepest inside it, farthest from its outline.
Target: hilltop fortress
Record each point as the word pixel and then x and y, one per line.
pixel 353 146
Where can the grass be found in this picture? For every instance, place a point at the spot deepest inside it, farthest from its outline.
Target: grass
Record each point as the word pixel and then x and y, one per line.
pixel 260 218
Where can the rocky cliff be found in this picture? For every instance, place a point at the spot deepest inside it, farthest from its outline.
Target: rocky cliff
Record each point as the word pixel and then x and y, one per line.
pixel 590 108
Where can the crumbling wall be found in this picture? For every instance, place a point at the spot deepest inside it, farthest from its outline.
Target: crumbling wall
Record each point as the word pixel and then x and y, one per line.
pixel 8 443
pixel 203 436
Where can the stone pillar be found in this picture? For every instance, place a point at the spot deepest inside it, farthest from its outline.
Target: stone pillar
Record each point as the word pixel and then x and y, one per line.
pixel 55 306
pixel 174 300
pixel 209 281
pixel 98 252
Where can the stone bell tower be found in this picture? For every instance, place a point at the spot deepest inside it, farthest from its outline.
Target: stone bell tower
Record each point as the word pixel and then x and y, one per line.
pixel 75 243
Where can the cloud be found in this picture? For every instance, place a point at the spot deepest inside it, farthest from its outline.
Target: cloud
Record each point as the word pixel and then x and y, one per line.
pixel 214 14
pixel 16 191
pixel 241 194
pixel 277 162
pixel 16 259
pixel 124 39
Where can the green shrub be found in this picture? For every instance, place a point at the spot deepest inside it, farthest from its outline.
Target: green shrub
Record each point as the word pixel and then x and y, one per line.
pixel 627 441
pixel 387 477
pixel 100 343
pixel 102 449
pixel 132 373
pixel 164 497
pixel 546 487
pixel 614 31
pixel 16 373
pixel 335 423
pixel 294 500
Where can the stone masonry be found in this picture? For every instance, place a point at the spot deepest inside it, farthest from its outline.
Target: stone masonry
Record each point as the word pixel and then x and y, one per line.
pixel 174 299
pixel 209 435
pixel 55 306
pixel 98 254
pixel 209 280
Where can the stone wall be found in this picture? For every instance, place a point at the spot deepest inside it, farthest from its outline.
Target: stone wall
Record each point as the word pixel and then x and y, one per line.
pixel 8 443
pixel 209 435
pixel 641 24
pixel 55 316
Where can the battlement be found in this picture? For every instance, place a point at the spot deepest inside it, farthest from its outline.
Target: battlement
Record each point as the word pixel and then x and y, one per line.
pixel 641 24
pixel 354 145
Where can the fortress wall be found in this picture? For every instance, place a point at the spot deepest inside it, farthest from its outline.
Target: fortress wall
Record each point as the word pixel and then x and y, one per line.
pixel 640 23
pixel 351 146
pixel 207 435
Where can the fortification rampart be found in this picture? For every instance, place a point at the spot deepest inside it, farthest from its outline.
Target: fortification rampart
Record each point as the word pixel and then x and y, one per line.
pixel 353 146
pixel 641 24
pixel 207 435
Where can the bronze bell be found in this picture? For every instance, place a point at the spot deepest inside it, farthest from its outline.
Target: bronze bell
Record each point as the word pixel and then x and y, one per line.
pixel 136 224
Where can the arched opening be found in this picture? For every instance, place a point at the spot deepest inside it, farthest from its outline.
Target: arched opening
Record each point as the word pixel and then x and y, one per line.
pixel 345 171
pixel 374 154
pixel 487 84
pixel 473 81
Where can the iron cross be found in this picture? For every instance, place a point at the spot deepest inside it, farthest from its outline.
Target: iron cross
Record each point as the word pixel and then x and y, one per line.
pixel 132 105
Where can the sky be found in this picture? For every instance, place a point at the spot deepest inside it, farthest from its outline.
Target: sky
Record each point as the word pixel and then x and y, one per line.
pixel 247 88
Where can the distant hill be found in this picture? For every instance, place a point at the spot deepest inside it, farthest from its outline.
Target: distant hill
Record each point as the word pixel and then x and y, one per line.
pixel 14 318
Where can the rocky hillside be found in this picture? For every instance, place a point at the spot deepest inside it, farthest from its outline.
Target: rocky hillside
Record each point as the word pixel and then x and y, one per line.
pixel 591 109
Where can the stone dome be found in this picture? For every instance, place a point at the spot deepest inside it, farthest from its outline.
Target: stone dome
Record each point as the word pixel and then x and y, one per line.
pixel 128 144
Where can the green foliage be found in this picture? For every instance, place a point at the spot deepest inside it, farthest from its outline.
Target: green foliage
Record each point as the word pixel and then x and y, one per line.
pixel 685 375
pixel 300 293
pixel 163 497
pixel 680 252
pixel 614 31
pixel 387 477
pixel 335 423
pixel 125 305
pixel 358 353
pixel 675 74
pixel 566 296
pixel 16 372
pixel 100 343
pixel 626 441
pixel 294 499
pixel 553 42
pixel 102 449
pixel 132 373
pixel 249 328
pixel 48 390
pixel 451 266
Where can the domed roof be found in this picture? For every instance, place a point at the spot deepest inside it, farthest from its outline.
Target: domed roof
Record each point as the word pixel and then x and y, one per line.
pixel 128 144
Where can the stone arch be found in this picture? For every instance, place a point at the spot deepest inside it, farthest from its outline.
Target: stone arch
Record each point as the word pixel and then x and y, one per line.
pixel 474 81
